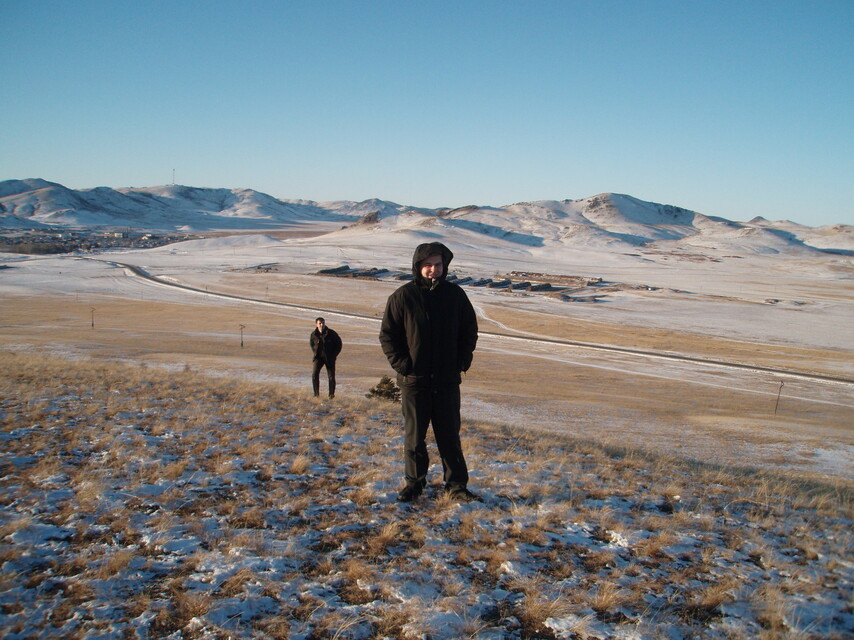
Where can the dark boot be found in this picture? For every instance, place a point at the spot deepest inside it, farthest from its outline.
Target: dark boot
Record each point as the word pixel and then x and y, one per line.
pixel 461 494
pixel 410 493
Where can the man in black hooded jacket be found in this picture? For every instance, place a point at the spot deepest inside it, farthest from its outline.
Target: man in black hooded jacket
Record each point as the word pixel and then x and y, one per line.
pixel 428 334
pixel 325 347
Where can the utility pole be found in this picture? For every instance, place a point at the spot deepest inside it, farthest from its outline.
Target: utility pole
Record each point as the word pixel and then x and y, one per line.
pixel 92 310
pixel 242 327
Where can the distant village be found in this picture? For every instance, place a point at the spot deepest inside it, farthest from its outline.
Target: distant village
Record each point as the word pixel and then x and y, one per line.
pixel 517 280
pixel 49 241
pixel 564 287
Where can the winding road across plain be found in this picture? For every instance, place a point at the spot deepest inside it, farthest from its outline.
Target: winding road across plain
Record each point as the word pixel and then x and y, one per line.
pixel 786 373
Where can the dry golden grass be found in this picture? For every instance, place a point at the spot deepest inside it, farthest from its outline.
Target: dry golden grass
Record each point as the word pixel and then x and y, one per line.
pixel 536 608
pixel 381 541
pixel 607 597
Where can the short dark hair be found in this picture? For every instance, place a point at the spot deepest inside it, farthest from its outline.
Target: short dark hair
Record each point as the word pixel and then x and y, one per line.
pixel 316 320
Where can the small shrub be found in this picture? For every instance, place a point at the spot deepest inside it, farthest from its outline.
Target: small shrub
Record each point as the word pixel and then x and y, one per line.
pixel 386 389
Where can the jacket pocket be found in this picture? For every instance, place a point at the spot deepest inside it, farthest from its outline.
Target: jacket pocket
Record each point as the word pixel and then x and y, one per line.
pixel 412 381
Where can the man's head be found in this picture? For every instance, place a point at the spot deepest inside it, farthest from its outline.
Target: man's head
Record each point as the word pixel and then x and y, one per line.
pixel 430 261
pixel 320 323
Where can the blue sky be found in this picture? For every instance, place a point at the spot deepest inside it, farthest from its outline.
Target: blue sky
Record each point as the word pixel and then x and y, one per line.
pixel 733 109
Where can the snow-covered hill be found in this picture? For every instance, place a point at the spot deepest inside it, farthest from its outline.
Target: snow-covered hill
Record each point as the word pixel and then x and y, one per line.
pixel 28 203
pixel 605 221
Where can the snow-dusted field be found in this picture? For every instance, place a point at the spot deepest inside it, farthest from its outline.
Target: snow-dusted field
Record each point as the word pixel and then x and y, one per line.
pixel 147 503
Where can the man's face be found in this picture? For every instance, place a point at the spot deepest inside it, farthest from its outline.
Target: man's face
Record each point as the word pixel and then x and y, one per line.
pixel 432 267
pixel 321 325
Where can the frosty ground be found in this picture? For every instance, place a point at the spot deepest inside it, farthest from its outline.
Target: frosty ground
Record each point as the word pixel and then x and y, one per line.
pixel 254 510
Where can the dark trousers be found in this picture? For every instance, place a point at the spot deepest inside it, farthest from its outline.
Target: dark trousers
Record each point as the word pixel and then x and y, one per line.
pixel 442 408
pixel 318 364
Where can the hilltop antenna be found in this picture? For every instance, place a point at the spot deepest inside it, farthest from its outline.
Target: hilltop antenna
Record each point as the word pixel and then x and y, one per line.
pixel 173 177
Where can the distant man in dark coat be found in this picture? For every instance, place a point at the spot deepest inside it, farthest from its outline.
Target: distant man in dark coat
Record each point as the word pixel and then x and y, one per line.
pixel 325 345
pixel 428 334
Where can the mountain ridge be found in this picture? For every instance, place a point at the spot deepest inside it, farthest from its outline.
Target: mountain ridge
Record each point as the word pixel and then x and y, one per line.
pixel 605 220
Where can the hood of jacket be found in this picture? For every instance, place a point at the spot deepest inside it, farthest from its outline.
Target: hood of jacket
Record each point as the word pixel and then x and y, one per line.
pixel 426 250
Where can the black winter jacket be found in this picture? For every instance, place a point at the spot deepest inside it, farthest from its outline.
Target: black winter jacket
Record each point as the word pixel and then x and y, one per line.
pixel 429 330
pixel 325 346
